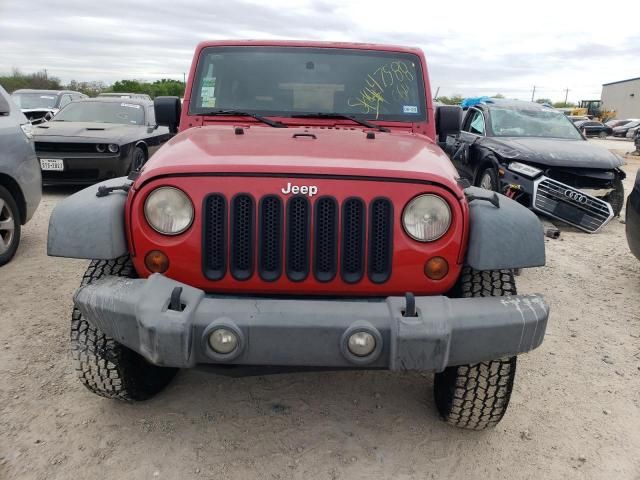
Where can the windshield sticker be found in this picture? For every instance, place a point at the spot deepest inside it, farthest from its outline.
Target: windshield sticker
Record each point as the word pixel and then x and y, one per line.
pixel 409 109
pixel 48 97
pixel 129 105
pixel 385 84
pixel 208 92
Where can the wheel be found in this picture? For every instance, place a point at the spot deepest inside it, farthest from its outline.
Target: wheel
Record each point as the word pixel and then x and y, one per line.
pixel 488 179
pixel 139 159
pixel 602 135
pixel 104 366
pixel 9 226
pixel 476 396
pixel 615 197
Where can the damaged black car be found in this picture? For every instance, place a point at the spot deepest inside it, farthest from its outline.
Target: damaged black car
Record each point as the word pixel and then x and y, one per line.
pixel 535 155
pixel 97 139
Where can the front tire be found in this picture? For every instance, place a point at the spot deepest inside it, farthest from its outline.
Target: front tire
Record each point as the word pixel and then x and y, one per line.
pixel 602 135
pixel 9 226
pixel 488 179
pixel 615 197
pixel 476 396
pixel 138 160
pixel 104 366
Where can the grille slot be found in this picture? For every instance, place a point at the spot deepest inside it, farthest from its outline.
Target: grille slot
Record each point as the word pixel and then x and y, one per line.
pixel 66 147
pixel 298 238
pixel 326 239
pixel 270 245
pixel 583 211
pixel 352 242
pixel 242 237
pixel 215 237
pixel 380 240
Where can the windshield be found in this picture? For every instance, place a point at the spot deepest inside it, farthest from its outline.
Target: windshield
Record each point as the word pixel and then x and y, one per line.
pixel 286 81
pixel 510 122
pixel 102 112
pixel 35 100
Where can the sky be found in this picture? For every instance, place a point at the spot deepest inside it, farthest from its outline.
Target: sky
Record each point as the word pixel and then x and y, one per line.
pixel 472 47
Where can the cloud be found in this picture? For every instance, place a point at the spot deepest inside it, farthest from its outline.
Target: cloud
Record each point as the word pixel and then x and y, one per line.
pixel 469 51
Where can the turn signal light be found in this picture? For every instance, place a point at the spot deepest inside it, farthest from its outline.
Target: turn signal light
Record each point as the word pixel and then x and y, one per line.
pixel 156 261
pixel 436 268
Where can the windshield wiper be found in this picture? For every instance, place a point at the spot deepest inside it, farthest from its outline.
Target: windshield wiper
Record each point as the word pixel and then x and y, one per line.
pixel 359 121
pixel 239 113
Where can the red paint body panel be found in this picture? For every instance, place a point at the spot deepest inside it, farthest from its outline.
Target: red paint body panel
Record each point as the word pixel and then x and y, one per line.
pixel 208 157
pixel 409 256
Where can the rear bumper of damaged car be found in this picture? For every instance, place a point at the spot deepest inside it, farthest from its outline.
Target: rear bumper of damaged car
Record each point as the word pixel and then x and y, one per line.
pixel 306 332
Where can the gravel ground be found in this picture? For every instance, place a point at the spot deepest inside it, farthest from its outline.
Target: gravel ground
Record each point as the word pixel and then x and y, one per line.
pixel 575 411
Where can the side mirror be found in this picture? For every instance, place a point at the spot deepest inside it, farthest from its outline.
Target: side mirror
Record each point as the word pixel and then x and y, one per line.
pixel 448 120
pixel 168 110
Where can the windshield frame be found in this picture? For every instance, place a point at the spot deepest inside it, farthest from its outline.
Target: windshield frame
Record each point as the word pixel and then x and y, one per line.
pixel 77 104
pixel 424 106
pixel 489 123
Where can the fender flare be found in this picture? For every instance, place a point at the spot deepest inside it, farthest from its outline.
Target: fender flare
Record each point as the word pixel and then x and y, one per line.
pixel 507 237
pixel 86 226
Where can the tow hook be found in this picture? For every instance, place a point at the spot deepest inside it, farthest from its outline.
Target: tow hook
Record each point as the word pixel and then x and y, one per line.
pixel 410 305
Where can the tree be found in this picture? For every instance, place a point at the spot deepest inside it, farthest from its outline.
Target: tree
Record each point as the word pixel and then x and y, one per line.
pixel 544 100
pixel 564 105
pixel 39 80
pixel 453 100
pixel 497 95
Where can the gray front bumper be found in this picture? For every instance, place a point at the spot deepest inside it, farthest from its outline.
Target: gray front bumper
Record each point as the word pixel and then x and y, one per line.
pixel 303 332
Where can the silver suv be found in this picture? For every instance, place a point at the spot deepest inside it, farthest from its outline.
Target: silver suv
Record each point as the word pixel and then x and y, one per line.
pixel 20 177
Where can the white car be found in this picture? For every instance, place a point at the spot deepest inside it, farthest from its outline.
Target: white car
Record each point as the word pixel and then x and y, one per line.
pixel 41 105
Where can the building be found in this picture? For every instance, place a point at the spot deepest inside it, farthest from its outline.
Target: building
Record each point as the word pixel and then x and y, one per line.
pixel 623 97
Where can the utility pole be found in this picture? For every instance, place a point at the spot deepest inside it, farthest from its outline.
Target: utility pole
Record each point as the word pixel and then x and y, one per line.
pixel 533 94
pixel 566 96
pixel 184 78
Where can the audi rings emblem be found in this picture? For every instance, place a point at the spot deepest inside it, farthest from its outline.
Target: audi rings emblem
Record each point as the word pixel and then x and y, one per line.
pixel 575 196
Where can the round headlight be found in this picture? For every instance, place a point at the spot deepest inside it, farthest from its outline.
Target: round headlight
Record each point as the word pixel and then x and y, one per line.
pixel 426 218
pixel 101 147
pixel 168 210
pixel 113 148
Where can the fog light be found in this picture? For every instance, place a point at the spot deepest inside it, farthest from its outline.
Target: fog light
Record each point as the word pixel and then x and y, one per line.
pixel 223 341
pixel 361 344
pixel 156 261
pixel 436 268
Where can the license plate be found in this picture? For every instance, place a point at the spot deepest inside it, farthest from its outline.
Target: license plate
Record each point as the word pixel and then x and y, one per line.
pixel 52 164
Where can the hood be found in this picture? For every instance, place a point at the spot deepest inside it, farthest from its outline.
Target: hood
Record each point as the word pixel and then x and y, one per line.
pixel 87 131
pixel 305 151
pixel 553 152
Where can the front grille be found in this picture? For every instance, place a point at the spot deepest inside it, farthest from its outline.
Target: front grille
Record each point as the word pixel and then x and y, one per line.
pixel 571 205
pixel 298 237
pixel 65 147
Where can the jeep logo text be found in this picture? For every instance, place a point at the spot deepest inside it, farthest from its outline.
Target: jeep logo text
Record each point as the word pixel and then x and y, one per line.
pixel 310 190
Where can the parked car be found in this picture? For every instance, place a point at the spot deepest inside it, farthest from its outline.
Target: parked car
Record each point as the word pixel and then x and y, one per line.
pixel 578 118
pixel 620 123
pixel 20 182
pixel 632 132
pixel 622 130
pixel 536 156
pixel 591 128
pixel 286 224
pixel 41 105
pixel 97 139
pixel 139 96
pixel 632 226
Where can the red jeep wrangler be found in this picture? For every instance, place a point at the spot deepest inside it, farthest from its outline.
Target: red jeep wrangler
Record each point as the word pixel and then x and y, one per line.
pixel 303 216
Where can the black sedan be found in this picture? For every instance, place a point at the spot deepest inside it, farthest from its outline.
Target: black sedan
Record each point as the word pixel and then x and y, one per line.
pixel 622 130
pixel 535 155
pixel 591 128
pixel 96 139
pixel 633 216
